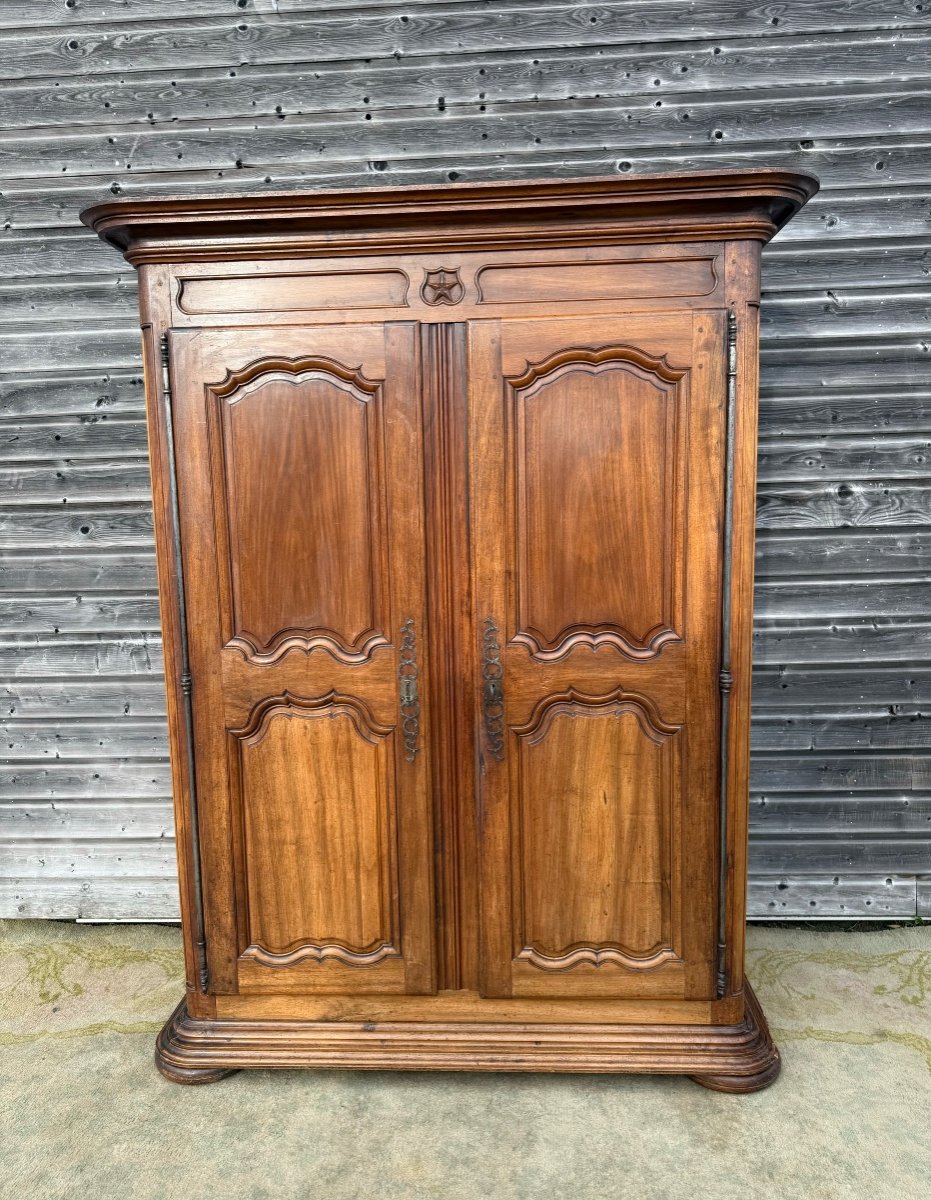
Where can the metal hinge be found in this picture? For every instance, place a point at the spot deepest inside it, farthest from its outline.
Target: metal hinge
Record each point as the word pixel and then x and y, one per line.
pixel 186 681
pixel 725 678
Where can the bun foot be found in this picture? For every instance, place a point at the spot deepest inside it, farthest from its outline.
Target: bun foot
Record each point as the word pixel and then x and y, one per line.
pixel 181 1063
pixel 742 1083
pixel 193 1074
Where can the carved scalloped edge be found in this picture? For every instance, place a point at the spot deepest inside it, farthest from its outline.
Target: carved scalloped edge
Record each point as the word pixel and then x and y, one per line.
pixel 351 376
pixel 287 702
pixel 571 700
pixel 594 637
pixel 589 356
pixel 307 640
pixel 740 1057
pixel 597 958
pixel 319 953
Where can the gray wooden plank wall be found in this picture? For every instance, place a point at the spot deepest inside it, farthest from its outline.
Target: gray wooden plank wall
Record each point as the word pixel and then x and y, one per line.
pixel 134 97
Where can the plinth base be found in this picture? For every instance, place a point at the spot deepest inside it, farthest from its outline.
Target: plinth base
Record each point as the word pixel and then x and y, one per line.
pixel 728 1058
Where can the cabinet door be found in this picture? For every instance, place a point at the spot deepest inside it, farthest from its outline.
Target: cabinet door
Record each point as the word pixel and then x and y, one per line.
pixel 597 477
pixel 299 472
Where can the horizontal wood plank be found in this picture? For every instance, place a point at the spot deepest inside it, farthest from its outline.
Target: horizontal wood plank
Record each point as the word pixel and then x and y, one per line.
pixel 31 14
pixel 90 741
pixel 238 36
pixel 24 346
pixel 831 731
pixel 831 897
pixel 838 504
pixel 127 481
pixel 824 771
pixel 784 555
pixel 683 121
pixel 813 687
pixel 84 573
pixel 855 410
pixel 72 898
pixel 65 574
pixel 81 437
pixel 95 525
pixel 82 697
pixel 796 460
pixel 121 818
pixel 842 598
pixel 123 858
pixel 859 854
pixel 33 656
pixel 873 640
pixel 72 780
pixel 901 813
pixel 67 614
pixel 42 395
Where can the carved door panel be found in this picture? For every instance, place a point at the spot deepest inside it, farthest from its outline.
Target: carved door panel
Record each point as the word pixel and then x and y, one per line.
pixel 299 464
pixel 597 477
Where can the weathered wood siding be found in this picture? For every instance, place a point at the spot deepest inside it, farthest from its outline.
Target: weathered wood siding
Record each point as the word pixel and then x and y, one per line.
pixel 131 96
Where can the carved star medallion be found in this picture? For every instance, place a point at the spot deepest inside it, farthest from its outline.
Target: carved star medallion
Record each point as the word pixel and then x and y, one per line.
pixel 442 287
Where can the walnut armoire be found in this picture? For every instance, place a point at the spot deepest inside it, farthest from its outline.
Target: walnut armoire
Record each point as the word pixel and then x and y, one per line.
pixel 454 499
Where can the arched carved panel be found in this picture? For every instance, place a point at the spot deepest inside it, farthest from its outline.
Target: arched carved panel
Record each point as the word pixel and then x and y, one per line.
pixel 577 703
pixel 299 484
pixel 317 817
pixel 597 510
pixel 287 704
pixel 598 790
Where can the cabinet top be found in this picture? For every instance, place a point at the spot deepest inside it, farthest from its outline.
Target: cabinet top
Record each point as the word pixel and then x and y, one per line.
pixel 685 206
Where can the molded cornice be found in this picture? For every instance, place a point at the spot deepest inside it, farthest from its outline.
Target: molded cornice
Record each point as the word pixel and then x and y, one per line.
pixel 685 206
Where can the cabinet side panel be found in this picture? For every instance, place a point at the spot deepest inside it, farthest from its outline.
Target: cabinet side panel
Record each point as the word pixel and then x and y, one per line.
pixel 155 315
pixel 743 293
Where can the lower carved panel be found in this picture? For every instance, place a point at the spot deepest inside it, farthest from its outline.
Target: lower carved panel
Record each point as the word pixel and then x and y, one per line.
pixel 599 781
pixel 316 787
pixel 307 952
pixel 740 1057
pixel 595 958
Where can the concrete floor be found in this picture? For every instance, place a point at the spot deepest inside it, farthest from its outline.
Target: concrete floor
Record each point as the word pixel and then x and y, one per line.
pixel 84 1114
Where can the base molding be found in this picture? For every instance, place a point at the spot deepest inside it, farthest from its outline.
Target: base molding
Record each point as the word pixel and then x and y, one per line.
pixel 741 1083
pixel 734 1058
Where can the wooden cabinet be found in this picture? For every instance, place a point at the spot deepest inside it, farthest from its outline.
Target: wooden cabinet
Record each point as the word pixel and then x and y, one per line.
pixel 454 494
